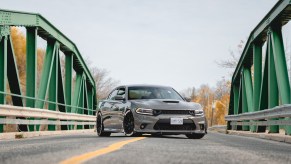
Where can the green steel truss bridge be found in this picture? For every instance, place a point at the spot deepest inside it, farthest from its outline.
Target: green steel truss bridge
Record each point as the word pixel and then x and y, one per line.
pixel 260 98
pixel 71 101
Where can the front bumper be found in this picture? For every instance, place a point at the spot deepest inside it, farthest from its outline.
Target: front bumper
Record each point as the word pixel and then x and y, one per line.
pixel 150 124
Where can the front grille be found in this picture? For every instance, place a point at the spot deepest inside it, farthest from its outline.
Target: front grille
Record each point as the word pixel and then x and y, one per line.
pixel 164 124
pixel 178 112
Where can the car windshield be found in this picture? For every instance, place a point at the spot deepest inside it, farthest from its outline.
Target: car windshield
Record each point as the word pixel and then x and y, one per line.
pixel 152 93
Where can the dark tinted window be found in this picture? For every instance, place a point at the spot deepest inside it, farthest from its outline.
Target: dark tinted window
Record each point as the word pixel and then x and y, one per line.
pixel 112 94
pixel 152 93
pixel 121 92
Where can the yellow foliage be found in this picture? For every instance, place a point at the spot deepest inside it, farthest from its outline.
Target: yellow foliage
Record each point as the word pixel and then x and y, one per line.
pixel 19 47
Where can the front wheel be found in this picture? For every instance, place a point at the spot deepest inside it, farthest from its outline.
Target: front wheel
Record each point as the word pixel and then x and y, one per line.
pixel 100 127
pixel 128 124
pixel 195 136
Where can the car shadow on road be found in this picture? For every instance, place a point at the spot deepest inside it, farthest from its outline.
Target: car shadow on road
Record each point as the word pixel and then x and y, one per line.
pixel 166 136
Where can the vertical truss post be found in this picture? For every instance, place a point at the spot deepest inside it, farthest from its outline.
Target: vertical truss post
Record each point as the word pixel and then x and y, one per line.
pixel 87 111
pixel 46 74
pixel 240 101
pixel 90 100
pixel 3 70
pixel 257 60
pixel 81 101
pixel 31 67
pixel 77 92
pixel 53 86
pixel 68 80
pixel 248 86
pixel 281 68
pixel 257 57
pixel 235 102
pixel 273 99
pixel 244 97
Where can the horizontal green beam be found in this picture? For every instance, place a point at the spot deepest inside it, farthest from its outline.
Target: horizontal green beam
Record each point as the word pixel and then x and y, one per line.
pixel 16 18
pixel 259 30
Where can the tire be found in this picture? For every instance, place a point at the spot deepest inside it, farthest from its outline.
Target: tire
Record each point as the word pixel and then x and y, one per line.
pixel 128 124
pixel 195 136
pixel 100 127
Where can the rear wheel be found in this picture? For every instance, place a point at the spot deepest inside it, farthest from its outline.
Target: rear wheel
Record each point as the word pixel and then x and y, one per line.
pixel 100 127
pixel 195 136
pixel 128 124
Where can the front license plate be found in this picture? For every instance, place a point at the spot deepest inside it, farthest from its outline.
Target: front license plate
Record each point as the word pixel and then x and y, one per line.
pixel 176 121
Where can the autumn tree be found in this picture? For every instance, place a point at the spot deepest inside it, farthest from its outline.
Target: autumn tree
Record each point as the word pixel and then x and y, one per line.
pixel 190 92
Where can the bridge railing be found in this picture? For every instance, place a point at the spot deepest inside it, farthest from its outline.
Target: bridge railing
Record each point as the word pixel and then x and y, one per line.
pixel 57 90
pixel 258 85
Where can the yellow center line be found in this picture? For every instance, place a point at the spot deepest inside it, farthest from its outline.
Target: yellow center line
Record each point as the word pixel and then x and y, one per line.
pixel 85 157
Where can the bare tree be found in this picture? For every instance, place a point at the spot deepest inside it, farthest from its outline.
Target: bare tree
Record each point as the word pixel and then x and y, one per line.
pixel 189 92
pixel 234 57
pixel 104 83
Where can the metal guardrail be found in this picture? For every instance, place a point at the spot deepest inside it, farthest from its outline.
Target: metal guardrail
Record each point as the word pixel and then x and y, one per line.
pixel 14 111
pixel 277 112
pixel 263 117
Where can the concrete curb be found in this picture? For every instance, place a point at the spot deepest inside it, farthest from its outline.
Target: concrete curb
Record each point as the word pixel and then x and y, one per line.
pixel 268 136
pixel 20 135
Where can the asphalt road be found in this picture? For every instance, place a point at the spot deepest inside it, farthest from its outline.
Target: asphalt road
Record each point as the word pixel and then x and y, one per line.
pixel 213 148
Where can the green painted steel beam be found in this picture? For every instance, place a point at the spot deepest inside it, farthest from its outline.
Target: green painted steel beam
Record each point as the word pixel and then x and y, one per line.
pixel 90 101
pixel 257 57
pixel 86 98
pixel 240 101
pixel 261 30
pixel 77 92
pixel 273 96
pixel 31 65
pixel 248 85
pixel 12 74
pixel 46 72
pixel 264 90
pixel 281 68
pixel 81 102
pixel 236 99
pixel 68 79
pixel 46 30
pixel 245 105
pixel 257 61
pixel 3 71
pixel 280 65
pixel 235 90
pixel 61 93
pixel 53 86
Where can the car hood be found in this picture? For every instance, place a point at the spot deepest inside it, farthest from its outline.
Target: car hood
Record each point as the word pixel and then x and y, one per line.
pixel 166 104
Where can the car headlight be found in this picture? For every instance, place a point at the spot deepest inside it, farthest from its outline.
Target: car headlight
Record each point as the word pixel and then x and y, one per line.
pixel 144 111
pixel 199 112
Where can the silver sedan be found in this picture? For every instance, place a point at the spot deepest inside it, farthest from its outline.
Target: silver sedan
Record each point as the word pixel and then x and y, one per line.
pixel 138 109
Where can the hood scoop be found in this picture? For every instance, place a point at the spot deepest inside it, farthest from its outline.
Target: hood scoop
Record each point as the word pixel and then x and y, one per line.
pixel 171 101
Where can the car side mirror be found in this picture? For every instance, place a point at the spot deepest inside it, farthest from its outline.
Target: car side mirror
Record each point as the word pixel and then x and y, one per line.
pixel 119 97
pixel 188 99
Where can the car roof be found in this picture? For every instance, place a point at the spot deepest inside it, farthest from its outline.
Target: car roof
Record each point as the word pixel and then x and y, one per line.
pixel 145 85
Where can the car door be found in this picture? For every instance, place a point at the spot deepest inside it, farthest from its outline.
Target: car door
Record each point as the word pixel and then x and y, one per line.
pixel 118 108
pixel 106 108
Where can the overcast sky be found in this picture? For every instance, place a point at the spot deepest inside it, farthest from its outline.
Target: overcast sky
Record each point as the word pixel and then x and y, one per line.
pixel 165 42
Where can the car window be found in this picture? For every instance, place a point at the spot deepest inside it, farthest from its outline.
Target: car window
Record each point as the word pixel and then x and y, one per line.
pixel 153 93
pixel 121 92
pixel 112 94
